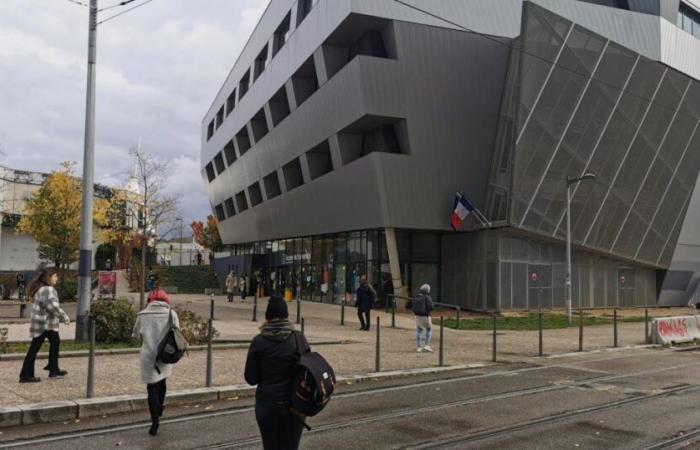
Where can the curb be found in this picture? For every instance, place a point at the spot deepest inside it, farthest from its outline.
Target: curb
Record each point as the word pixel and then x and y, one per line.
pixel 135 350
pixel 65 410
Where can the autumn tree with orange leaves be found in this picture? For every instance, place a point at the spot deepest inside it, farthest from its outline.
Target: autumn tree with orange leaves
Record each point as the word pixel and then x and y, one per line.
pixel 207 235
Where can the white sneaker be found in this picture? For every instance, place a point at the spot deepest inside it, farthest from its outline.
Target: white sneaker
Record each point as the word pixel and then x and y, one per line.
pixel 420 350
pixel 428 348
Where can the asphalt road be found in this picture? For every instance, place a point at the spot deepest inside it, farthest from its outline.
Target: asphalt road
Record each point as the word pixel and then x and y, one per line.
pixel 633 398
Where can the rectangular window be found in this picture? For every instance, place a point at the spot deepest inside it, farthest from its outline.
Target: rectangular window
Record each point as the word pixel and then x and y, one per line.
pixel 230 208
pixel 230 102
pixel 243 140
pixel 220 212
pixel 292 174
pixel 370 44
pixel 303 9
pixel 210 172
pixel 210 130
pixel 319 159
pixel 255 194
pixel 304 81
pixel 272 185
pixel 259 125
pixel 372 134
pixel 281 34
pixel 244 85
pixel 260 63
pixel 241 202
pixel 219 163
pixel 219 117
pixel 230 153
pixel 279 106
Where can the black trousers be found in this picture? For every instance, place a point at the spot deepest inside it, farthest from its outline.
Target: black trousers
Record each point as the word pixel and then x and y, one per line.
pixel 37 342
pixel 230 297
pixel 280 430
pixel 364 319
pixel 156 399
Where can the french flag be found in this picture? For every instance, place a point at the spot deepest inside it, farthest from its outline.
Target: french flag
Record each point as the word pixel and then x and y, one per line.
pixel 463 207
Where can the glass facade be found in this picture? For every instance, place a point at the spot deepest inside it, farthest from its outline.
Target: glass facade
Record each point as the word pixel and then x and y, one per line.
pixel 328 268
pixel 580 103
pixel 504 270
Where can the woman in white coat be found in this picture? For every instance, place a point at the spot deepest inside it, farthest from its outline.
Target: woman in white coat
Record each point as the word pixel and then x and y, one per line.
pixel 151 327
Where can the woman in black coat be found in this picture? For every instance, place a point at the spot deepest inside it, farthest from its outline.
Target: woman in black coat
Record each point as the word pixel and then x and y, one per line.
pixel 271 364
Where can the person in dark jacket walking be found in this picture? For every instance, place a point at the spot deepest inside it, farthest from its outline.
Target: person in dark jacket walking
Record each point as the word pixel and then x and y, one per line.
pixel 271 364
pixel 365 299
pixel 422 306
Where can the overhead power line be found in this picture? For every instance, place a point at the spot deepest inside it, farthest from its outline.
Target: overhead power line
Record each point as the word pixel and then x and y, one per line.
pixel 502 41
pixel 116 5
pixel 78 3
pixel 125 11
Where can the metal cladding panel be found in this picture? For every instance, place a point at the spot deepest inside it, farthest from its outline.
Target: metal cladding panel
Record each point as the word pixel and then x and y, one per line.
pixel 336 104
pixel 444 85
pixel 303 40
pixel 594 106
pixel 346 199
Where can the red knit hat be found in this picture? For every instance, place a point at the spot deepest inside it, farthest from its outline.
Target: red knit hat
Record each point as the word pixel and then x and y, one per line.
pixel 158 295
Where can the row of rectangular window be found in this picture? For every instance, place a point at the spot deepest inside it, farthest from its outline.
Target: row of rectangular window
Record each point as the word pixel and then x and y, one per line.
pixel 689 20
pixel 280 37
pixel 383 138
pixel 304 83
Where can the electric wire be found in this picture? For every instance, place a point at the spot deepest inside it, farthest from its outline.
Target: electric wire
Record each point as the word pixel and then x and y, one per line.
pixel 123 12
pixel 116 5
pixel 78 3
pixel 502 41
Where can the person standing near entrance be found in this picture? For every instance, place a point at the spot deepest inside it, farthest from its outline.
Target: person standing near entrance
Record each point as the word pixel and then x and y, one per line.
pixel 46 316
pixel 231 285
pixel 242 286
pixel 422 306
pixel 365 300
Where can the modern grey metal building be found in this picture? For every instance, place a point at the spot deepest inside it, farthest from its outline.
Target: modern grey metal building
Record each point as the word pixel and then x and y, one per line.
pixel 338 140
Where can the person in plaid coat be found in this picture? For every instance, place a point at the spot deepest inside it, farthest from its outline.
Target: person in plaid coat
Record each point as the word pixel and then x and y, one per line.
pixel 46 317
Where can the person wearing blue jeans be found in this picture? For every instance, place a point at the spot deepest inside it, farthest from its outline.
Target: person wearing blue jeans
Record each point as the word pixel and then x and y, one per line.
pixel 422 306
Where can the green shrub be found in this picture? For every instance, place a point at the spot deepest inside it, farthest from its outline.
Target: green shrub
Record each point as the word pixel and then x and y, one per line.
pixel 188 279
pixel 193 326
pixel 9 284
pixel 114 320
pixel 68 290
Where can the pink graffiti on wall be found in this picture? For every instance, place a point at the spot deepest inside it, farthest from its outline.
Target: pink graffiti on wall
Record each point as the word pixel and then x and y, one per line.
pixel 673 327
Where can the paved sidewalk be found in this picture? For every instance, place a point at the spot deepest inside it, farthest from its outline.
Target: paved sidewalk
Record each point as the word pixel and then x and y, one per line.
pixel 119 374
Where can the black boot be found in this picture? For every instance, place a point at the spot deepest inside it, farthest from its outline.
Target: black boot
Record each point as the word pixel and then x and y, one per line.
pixel 153 431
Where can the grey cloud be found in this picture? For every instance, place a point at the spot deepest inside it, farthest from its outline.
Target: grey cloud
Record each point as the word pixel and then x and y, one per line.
pixel 158 70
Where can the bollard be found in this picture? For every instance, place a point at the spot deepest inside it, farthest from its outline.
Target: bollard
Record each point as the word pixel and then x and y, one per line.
pixel 646 326
pixel 493 358
pixel 580 329
pixel 255 308
pixel 210 336
pixel 302 325
pixel 342 312
pixel 91 358
pixel 458 311
pixel 298 310
pixel 615 327
pixel 393 313
pixel 540 327
pixel 212 307
pixel 441 361
pixel 377 364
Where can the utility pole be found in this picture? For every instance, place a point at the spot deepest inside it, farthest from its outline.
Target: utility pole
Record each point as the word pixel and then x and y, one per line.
pixel 181 226
pixel 85 264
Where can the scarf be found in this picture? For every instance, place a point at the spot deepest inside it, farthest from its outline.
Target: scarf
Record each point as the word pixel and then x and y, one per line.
pixel 277 330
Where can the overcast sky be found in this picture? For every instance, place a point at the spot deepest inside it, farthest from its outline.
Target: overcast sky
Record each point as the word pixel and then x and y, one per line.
pixel 158 69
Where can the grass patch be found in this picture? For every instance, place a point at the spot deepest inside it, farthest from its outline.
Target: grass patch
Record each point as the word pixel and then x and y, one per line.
pixel 188 279
pixel 529 322
pixel 22 347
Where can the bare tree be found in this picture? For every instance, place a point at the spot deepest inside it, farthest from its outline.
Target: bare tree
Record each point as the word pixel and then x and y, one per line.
pixel 157 208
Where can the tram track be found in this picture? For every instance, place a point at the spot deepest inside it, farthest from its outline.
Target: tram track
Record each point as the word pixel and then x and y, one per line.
pixel 328 427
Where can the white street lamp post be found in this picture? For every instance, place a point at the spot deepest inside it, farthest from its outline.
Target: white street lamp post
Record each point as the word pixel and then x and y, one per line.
pixel 569 182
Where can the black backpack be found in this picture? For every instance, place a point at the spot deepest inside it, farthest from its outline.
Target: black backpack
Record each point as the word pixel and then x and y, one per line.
pixel 173 345
pixel 313 383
